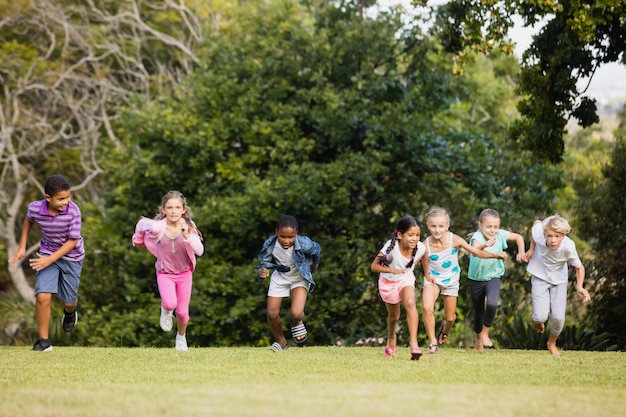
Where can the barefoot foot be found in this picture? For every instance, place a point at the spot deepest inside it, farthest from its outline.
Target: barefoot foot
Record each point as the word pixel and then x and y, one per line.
pixel 479 346
pixel 487 343
pixel 553 349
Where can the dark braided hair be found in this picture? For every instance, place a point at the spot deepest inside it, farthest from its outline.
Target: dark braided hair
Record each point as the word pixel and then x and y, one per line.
pixel 404 224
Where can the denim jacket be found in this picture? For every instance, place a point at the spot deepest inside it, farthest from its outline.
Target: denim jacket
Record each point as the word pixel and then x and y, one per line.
pixel 303 248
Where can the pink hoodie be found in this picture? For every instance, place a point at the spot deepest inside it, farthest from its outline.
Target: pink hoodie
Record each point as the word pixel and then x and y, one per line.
pixel 148 232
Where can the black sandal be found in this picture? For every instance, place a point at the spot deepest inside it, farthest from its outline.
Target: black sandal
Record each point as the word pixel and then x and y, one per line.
pixel 299 333
pixel 441 336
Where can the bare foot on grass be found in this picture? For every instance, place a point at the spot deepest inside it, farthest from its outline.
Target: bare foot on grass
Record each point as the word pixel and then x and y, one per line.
pixel 487 342
pixel 479 346
pixel 553 349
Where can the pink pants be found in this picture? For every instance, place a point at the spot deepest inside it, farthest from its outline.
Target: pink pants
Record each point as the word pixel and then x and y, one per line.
pixel 175 290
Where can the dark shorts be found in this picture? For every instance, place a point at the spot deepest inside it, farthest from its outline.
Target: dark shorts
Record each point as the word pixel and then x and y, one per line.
pixel 61 278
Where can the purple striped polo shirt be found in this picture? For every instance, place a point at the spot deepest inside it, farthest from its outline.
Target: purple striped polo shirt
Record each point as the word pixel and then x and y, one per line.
pixel 56 230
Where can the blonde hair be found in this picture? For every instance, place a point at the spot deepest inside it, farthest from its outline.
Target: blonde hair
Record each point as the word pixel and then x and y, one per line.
pixel 186 215
pixel 556 223
pixel 488 213
pixel 437 212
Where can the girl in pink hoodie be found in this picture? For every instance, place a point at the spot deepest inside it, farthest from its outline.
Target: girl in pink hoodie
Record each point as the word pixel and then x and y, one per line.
pixel 173 238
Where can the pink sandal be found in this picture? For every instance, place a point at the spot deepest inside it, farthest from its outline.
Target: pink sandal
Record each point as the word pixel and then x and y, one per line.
pixel 389 352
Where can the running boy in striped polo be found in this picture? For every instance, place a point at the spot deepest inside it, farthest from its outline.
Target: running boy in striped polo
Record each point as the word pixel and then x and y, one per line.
pixel 59 262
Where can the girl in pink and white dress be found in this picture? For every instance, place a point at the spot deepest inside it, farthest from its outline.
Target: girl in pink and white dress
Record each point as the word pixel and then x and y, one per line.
pixel 395 263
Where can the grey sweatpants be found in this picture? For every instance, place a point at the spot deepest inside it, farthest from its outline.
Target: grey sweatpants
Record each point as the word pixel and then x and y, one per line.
pixel 549 297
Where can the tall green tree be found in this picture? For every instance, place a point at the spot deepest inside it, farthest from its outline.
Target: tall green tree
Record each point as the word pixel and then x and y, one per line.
pixel 315 110
pixel 576 39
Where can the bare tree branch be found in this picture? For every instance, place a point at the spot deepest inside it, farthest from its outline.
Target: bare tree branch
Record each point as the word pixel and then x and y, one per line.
pixel 67 69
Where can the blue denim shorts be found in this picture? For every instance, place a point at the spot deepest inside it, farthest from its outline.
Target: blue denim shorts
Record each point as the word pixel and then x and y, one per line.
pixel 61 278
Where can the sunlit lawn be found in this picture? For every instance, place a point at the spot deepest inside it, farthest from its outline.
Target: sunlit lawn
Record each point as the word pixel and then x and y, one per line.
pixel 310 381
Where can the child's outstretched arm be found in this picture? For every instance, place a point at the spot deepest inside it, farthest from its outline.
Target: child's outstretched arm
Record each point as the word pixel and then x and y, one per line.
pixel 426 267
pixel 482 246
pixel 42 262
pixel 21 249
pixel 142 226
pixel 530 250
pixel 459 241
pixel 194 241
pixel 521 247
pixel 378 267
pixel 580 278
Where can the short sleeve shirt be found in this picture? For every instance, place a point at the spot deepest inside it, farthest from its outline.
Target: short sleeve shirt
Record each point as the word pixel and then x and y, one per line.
pixel 58 229
pixel 551 264
pixel 399 261
pixel 285 257
pixel 485 269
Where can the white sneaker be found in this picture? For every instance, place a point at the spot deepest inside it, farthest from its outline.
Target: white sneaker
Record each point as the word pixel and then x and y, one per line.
pixel 166 321
pixel 181 343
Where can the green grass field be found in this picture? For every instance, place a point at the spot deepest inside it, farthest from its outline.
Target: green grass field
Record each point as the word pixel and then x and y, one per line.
pixel 310 381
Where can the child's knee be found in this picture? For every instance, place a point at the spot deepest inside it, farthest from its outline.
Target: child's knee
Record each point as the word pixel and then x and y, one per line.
pixel 428 310
pixel 393 316
pixel 297 316
pixel 557 324
pixel 491 306
pixel 168 306
pixel 273 314
pixel 182 316
pixel 539 317
pixel 43 298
